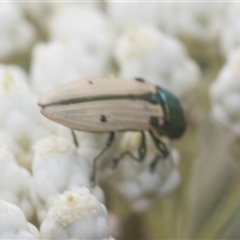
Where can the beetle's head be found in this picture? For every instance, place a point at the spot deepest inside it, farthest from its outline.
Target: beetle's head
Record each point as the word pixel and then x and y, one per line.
pixel 174 118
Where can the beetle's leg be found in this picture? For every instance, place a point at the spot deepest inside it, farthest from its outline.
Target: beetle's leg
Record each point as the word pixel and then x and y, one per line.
pixel 74 138
pixel 161 146
pixel 108 144
pixel 153 165
pixel 141 152
pixel 154 162
pixel 121 156
pixel 142 147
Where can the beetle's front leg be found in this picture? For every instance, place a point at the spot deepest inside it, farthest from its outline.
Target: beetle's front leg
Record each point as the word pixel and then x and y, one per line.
pixel 108 144
pixel 141 152
pixel 74 138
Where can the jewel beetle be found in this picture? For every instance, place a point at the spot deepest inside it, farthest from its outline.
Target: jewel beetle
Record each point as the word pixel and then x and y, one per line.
pixel 116 104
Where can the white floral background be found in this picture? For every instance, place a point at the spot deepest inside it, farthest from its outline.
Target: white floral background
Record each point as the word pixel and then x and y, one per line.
pixel 189 48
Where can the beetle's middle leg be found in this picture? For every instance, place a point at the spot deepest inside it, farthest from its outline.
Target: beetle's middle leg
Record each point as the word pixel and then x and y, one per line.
pixel 161 146
pixel 141 152
pixel 163 149
pixel 108 144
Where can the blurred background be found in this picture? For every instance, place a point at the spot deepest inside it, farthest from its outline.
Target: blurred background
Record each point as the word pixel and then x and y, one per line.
pixel 190 48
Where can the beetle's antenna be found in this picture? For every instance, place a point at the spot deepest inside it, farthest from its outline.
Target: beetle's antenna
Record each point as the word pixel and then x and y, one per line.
pixel 108 144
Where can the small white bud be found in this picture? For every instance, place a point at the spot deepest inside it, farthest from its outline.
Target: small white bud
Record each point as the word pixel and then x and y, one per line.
pixel 76 214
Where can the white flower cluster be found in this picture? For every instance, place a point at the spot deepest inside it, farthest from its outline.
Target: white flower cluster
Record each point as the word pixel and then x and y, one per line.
pixel 61 61
pixel 146 52
pixel 139 183
pixel 72 52
pixel 199 20
pixel 82 40
pixel 225 94
pixel 56 167
pixel 20 122
pixel 139 51
pixel 15 182
pixel 16 33
pixel 230 34
pixel 130 12
pixel 190 20
pixel 13 224
pixel 76 215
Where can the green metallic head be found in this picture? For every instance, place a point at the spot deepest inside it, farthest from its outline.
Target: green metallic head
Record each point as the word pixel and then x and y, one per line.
pixel 175 122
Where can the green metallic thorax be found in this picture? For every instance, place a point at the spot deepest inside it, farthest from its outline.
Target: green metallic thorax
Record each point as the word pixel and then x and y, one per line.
pixel 175 122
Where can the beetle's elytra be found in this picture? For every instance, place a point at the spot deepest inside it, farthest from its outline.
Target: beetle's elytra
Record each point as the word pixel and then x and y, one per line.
pixel 111 104
pixel 114 104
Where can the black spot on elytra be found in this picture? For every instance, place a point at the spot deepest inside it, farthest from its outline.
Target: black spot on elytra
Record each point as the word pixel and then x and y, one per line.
pixel 90 82
pixel 103 118
pixel 139 79
pixel 154 121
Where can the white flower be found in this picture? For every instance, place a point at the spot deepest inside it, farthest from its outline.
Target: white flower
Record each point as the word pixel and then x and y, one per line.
pixel 225 94
pixel 57 167
pixel 93 32
pixel 15 182
pixel 144 51
pixel 12 79
pixel 21 122
pixel 230 34
pixel 198 20
pixel 61 61
pixel 76 214
pixel 13 224
pixel 41 12
pixel 138 185
pixel 93 29
pixel 130 12
pixel 16 33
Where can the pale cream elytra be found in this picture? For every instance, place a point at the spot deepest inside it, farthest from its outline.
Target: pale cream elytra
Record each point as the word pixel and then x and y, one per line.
pixel 102 105
pixel 96 87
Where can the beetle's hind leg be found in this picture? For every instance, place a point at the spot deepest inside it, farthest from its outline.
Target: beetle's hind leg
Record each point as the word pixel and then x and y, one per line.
pixel 108 144
pixel 141 152
pixel 155 161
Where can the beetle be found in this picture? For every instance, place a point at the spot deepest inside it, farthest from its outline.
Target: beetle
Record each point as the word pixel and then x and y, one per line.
pixel 116 104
